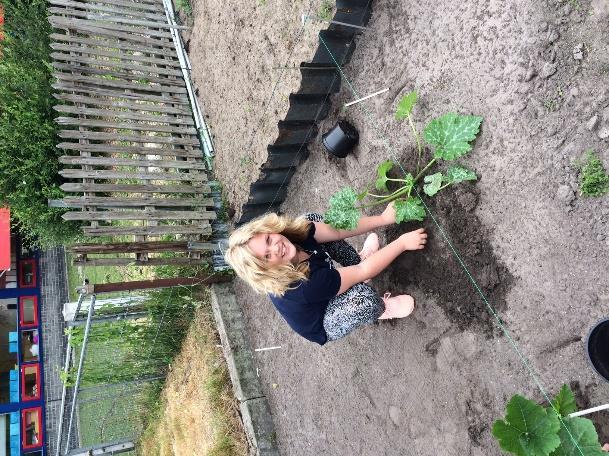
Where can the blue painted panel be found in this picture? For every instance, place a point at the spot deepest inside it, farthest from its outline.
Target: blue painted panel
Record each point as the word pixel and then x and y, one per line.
pixel 14 374
pixel 15 417
pixel 13 347
pixel 13 336
pixel 15 429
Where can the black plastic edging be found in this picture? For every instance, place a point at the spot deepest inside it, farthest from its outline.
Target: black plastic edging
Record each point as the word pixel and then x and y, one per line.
pixel 308 106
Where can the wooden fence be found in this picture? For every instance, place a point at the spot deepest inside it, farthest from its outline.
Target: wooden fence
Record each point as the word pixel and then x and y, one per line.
pixel 132 150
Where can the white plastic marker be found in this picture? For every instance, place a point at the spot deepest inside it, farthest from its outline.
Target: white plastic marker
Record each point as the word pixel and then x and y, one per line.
pixel 590 410
pixel 366 97
pixel 266 348
pixel 310 16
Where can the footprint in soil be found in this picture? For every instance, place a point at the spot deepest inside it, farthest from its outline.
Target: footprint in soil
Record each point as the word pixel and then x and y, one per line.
pixel 437 272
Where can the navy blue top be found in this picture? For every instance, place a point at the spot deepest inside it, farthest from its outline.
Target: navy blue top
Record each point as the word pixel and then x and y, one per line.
pixel 304 306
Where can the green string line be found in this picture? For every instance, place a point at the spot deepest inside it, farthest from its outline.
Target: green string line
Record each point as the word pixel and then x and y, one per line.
pixel 505 331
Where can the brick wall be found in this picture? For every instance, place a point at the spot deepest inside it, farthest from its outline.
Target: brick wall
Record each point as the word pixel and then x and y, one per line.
pixel 54 293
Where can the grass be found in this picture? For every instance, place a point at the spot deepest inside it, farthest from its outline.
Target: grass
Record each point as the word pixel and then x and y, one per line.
pixel 184 6
pixel 325 10
pixel 593 179
pixel 197 413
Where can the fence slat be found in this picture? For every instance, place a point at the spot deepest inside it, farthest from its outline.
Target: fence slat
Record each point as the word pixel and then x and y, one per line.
pixel 145 97
pixel 106 62
pixel 127 261
pixel 128 4
pixel 139 215
pixel 120 75
pixel 140 247
pixel 129 150
pixel 72 187
pixel 109 9
pixel 125 125
pixel 103 174
pixel 103 17
pixel 128 115
pixel 91 25
pixel 101 136
pixel 114 55
pixel 123 105
pixel 100 201
pixel 112 161
pixel 89 80
pixel 194 229
pixel 114 44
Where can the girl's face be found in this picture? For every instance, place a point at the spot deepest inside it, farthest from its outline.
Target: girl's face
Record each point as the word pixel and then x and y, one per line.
pixel 273 248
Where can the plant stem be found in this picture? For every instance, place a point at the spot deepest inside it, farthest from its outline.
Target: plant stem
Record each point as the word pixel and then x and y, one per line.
pixel 376 196
pixel 389 198
pixel 423 170
pixel 417 139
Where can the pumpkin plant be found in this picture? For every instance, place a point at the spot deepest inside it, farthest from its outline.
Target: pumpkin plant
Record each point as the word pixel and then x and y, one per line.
pixel 529 429
pixel 450 138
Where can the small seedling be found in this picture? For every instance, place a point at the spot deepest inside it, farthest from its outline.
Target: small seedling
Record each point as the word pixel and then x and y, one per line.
pixel 450 135
pixel 593 179
pixel 529 429
pixel 325 10
pixel 184 6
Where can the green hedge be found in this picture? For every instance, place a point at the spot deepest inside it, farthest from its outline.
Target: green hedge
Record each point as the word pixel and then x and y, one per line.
pixel 28 134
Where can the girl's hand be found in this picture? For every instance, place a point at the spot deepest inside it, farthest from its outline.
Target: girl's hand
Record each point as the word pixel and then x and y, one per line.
pixel 415 240
pixel 388 214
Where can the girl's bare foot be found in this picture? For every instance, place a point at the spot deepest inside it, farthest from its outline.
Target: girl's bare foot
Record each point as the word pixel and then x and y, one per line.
pixel 371 245
pixel 397 307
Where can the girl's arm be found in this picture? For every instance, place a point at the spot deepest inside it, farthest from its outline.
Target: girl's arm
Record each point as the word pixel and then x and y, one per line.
pixel 326 233
pixel 378 261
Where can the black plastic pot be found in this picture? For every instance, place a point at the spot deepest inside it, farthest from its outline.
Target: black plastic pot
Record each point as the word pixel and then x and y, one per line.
pixel 597 346
pixel 341 139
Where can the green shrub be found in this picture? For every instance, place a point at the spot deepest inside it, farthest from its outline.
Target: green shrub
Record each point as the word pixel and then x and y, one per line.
pixel 28 134
pixel 593 179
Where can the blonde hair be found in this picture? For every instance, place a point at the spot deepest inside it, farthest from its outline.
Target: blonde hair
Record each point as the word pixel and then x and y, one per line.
pixel 256 272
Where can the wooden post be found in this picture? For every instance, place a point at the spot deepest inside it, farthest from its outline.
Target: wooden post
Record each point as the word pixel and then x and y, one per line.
pixel 160 283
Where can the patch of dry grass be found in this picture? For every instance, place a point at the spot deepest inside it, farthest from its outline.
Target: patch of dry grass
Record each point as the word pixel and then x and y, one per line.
pixel 197 414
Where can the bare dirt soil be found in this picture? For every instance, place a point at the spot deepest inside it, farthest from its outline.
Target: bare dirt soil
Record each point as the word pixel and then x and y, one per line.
pixel 432 384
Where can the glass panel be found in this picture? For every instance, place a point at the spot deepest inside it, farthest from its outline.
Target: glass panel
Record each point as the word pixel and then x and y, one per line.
pixel 27 273
pixel 5 434
pixel 30 382
pixel 28 310
pixel 29 345
pixel 9 340
pixel 31 428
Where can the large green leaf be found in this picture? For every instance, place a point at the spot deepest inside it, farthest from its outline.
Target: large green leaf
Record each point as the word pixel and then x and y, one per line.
pixel 457 173
pixel 564 402
pixel 405 105
pixel 342 213
pixel 409 209
pixel 578 438
pixel 381 173
pixel 433 182
pixel 528 429
pixel 451 134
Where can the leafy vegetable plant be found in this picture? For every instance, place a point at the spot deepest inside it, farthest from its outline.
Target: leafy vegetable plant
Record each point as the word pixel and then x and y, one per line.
pixel 529 429
pixel 593 179
pixel 450 136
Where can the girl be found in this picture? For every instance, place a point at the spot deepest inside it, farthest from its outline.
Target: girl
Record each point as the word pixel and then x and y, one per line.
pixel 291 261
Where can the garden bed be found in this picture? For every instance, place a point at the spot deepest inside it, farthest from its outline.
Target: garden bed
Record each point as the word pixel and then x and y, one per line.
pixel 433 384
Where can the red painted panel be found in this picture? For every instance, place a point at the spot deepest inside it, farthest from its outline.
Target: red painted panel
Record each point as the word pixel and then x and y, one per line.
pixel 5 239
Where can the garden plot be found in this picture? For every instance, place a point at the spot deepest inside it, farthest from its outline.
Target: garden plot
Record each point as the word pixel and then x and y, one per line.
pixel 538 74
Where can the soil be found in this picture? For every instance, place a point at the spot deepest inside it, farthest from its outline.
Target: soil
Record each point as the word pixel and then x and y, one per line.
pixel 538 72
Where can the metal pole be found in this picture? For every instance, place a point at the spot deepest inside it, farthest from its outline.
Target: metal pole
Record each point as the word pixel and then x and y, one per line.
pixel 66 366
pixel 79 372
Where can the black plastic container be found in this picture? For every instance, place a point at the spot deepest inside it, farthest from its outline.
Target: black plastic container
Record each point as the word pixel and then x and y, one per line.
pixel 597 346
pixel 341 139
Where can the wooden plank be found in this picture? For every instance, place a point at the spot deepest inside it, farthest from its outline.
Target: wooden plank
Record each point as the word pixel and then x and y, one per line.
pixel 194 229
pixel 124 105
pixel 121 65
pixel 140 247
pixel 93 81
pixel 128 115
pixel 111 161
pixel 109 9
pixel 73 187
pixel 111 43
pixel 115 55
pixel 139 215
pixel 90 25
pixel 129 261
pixel 135 126
pixel 129 150
pixel 116 75
pixel 103 136
pixel 143 175
pixel 101 201
pixel 161 283
pixel 177 99
pixel 98 31
pixel 157 7
pixel 103 17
